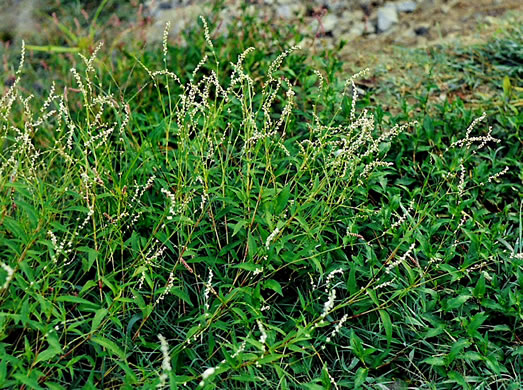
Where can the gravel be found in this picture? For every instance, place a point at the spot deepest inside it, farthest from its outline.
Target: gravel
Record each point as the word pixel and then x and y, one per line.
pixel 332 19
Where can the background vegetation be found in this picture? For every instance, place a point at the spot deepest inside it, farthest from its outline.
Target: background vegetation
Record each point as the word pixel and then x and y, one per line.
pixel 185 216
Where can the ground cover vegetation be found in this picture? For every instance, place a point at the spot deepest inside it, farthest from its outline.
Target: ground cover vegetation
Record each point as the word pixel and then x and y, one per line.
pixel 220 216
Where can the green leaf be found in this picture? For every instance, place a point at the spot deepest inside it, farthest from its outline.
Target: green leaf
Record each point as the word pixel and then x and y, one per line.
pixel 479 290
pixel 111 346
pixel 30 211
pixel 458 378
pixel 352 285
pixel 92 254
pixel 73 299
pixel 238 227
pixel 494 365
pixel 54 348
pixel 245 378
pixel 472 356
pixel 434 361
pixel 454 303
pixel 507 88
pixel 98 317
pixel 47 355
pixel 428 125
pixel 373 296
pixel 252 245
pixel 387 325
pixel 53 341
pixel 313 386
pixel 181 294
pixel 501 328
pixel 361 375
pixel 54 386
pixel 270 358
pixel 15 228
pixel 273 285
pixel 356 345
pixel 433 332
pixel 31 383
pixel 247 266
pixel 282 200
pixel 456 349
pixel 134 319
pixel 475 323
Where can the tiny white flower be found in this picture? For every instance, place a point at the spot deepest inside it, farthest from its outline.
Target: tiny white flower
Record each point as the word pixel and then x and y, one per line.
pixel 207 373
pixel 271 237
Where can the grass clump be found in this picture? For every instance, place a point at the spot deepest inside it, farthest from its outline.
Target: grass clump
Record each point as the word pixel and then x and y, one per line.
pixel 221 228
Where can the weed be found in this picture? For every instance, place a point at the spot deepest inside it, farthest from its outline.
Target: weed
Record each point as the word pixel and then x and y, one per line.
pixel 247 224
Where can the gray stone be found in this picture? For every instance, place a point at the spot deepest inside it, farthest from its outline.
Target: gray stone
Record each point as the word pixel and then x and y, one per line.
pixel 421 30
pixel 17 20
pixel 358 28
pixel 352 15
pixel 314 27
pixel 166 5
pixel 364 3
pixel 329 21
pixel 387 17
pixel 335 5
pixel 284 11
pixel 406 6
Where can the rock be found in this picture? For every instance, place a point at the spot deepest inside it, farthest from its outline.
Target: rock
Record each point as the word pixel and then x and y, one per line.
pixel 366 8
pixel 329 21
pixel 346 22
pixel 180 19
pixel 314 27
pixel 17 19
pixel 348 37
pixel 421 30
pixel 165 5
pixel 289 10
pixel 358 28
pixel 406 6
pixel 364 3
pixel 356 15
pixel 284 11
pixel 335 5
pixel 298 8
pixel 387 16
pixel 370 27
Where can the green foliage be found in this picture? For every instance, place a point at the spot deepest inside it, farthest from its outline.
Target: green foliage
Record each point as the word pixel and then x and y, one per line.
pixel 276 232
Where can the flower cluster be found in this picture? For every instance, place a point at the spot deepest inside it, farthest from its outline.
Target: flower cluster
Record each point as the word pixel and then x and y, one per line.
pixel 263 336
pixel 336 329
pixel 400 260
pixel 206 32
pixel 404 216
pixel 384 284
pixel 10 274
pixel 271 237
pixel 172 202
pixel 166 361
pixel 208 287
pixel 168 287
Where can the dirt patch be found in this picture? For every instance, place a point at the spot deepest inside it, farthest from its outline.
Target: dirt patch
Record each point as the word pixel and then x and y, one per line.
pixel 460 21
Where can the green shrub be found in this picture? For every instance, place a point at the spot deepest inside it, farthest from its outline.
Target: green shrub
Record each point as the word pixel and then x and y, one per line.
pixel 227 231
